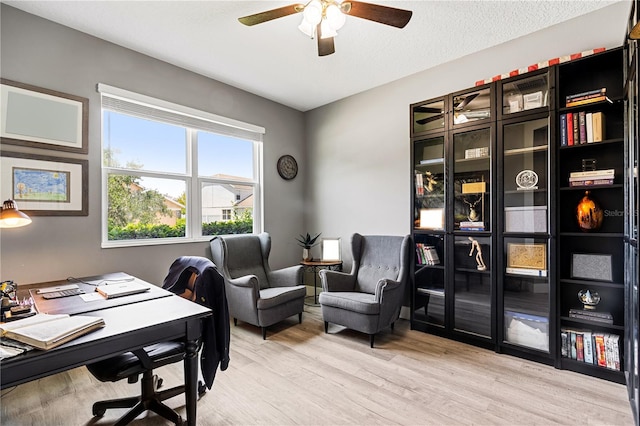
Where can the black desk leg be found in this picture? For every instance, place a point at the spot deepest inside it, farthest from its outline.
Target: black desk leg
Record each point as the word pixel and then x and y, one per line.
pixel 191 371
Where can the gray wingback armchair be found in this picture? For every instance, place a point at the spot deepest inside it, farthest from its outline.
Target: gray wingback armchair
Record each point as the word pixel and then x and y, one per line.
pixel 255 293
pixel 368 298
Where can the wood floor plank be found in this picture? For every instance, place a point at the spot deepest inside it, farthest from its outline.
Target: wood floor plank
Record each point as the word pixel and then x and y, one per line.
pixel 302 376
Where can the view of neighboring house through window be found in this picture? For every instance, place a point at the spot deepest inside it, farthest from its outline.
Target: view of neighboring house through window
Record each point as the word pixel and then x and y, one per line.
pixel 174 174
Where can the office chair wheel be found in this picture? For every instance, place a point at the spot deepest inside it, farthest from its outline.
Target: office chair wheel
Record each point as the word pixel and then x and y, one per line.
pixel 99 413
pixel 202 389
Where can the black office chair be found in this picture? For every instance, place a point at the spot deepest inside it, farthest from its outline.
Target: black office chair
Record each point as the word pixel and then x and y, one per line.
pixel 196 279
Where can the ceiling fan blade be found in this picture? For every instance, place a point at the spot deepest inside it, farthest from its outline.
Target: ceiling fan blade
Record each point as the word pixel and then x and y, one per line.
pixel 325 45
pixel 423 121
pixel 268 15
pixel 382 14
pixel 466 101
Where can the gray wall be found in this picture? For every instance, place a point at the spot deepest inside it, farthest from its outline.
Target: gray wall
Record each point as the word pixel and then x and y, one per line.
pixel 355 173
pixel 39 52
pixel 358 148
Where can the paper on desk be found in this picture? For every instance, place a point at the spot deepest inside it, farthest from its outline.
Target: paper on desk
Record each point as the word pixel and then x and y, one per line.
pixel 91 297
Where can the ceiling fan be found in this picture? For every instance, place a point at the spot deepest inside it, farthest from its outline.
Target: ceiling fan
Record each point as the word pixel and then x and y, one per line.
pixel 322 18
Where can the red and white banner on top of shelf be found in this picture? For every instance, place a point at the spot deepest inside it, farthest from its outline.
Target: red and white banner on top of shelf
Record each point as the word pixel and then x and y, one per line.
pixel 541 65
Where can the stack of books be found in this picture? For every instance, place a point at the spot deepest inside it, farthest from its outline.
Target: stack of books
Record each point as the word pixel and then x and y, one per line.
pixel 581 127
pixel 591 347
pixel 471 226
pixel 585 98
pixel 426 255
pixel 592 178
pixel 591 315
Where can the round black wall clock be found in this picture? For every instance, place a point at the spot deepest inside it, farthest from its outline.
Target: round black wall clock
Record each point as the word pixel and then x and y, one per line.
pixel 287 167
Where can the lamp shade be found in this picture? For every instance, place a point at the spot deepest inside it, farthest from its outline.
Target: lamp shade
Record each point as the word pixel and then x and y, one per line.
pixel 11 217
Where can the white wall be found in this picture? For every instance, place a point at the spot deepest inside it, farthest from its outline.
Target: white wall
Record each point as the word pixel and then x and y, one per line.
pixel 358 148
pixel 41 53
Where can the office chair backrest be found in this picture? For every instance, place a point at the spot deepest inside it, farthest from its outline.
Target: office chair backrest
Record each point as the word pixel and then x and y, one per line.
pixel 185 277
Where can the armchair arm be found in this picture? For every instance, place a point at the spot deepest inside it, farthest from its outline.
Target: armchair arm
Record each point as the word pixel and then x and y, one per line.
pixel 286 277
pixel 336 281
pixel 385 288
pixel 245 287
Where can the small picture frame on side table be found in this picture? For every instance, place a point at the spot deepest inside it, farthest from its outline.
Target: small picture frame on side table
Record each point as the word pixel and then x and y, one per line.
pixel 331 249
pixel 596 267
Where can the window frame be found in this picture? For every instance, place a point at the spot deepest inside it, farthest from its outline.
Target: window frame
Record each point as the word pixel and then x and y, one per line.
pixel 204 122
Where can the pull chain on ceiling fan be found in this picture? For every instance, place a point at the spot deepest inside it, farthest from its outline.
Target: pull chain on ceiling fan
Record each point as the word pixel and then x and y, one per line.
pixel 323 18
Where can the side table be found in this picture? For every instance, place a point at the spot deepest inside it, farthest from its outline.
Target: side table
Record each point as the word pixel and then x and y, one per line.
pixel 314 266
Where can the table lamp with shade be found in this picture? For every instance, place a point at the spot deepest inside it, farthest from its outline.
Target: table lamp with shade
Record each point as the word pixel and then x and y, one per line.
pixel 11 217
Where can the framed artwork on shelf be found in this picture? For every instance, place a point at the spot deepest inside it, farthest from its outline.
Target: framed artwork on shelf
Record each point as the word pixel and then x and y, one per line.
pixel 527 256
pixel 595 267
pixel 44 185
pixel 42 118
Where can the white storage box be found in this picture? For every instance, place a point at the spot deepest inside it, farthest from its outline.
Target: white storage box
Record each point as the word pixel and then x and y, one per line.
pixel 525 219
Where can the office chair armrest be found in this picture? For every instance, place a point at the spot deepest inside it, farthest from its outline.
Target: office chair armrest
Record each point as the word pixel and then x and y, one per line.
pixel 144 358
pixel 336 281
pixel 286 277
pixel 384 287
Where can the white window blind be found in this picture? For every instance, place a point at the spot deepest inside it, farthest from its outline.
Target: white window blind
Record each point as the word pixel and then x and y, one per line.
pixel 142 106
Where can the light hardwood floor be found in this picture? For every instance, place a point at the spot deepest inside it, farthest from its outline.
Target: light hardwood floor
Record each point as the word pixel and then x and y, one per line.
pixel 300 375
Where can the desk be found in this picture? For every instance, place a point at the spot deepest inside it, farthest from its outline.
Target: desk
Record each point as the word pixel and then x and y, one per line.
pixel 315 266
pixel 127 327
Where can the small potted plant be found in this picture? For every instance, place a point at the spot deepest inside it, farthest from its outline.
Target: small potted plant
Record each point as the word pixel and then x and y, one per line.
pixel 306 242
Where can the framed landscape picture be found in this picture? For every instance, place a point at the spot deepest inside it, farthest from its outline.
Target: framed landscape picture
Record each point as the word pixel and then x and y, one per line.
pixel 42 118
pixel 44 185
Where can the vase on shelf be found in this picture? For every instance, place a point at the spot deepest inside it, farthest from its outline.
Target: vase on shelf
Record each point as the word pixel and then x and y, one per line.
pixel 589 214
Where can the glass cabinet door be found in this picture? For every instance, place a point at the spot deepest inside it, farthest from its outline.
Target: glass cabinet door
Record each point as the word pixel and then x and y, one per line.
pixel 472 284
pixel 525 284
pixel 472 248
pixel 471 107
pixel 429 183
pixel 428 116
pixel 525 94
pixel 429 298
pixel 472 180
pixel 525 172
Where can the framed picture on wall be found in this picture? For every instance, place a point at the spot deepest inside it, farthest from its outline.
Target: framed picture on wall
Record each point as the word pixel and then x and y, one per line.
pixel 44 185
pixel 42 118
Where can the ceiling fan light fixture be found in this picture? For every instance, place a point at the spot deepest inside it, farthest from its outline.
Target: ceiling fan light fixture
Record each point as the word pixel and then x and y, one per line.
pixel 335 17
pixel 313 12
pixel 308 29
pixel 327 30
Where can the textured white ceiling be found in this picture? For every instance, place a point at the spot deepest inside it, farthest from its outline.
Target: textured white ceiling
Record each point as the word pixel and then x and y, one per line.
pixel 276 61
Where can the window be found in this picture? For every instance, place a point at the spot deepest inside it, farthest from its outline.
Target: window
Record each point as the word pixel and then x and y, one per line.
pixel 175 174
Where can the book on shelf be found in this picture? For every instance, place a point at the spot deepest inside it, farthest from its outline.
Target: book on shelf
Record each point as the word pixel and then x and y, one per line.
pixel 591 347
pixel 576 128
pixel 432 161
pixel 582 125
pixel 426 254
pixel 599 174
pixel 588 119
pixel 570 141
pixel 590 182
pixel 586 95
pixel 471 226
pixel 591 313
pixel 598 122
pixel 527 271
pixel 44 331
pixel 587 101
pixel 584 315
pixel 563 129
